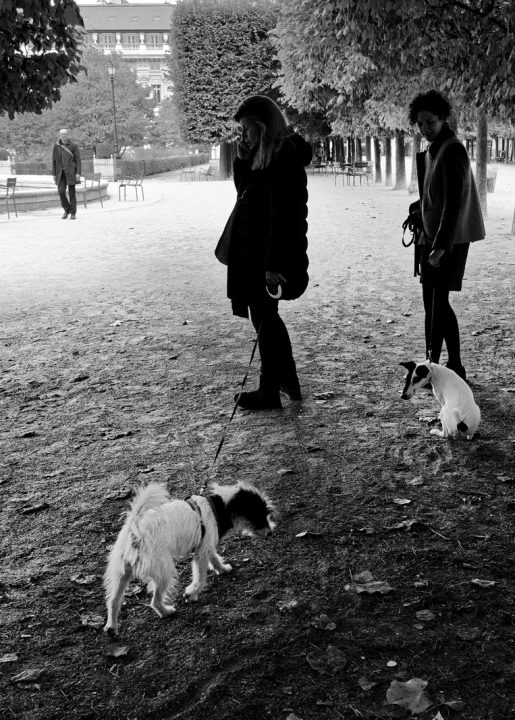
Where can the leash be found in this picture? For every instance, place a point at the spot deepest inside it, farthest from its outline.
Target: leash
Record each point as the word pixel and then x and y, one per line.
pixel 226 429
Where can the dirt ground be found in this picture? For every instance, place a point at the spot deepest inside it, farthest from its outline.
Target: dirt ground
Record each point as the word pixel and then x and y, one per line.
pixel 392 562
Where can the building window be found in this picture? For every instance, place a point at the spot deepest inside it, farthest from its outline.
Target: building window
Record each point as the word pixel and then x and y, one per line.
pixel 156 92
pixel 108 40
pixel 155 40
pixel 131 41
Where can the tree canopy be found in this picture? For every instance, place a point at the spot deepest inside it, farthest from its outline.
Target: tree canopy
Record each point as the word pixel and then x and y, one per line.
pixel 86 109
pixel 40 51
pixel 348 49
pixel 222 54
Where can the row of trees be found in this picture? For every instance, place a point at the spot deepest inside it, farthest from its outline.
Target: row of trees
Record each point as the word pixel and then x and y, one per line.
pixel 340 67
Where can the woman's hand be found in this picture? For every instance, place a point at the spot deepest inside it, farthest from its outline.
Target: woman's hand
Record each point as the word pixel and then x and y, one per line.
pixel 243 150
pixel 272 278
pixel 435 256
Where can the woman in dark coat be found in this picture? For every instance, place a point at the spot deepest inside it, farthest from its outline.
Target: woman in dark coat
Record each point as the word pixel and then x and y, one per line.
pixel 267 253
pixel 449 217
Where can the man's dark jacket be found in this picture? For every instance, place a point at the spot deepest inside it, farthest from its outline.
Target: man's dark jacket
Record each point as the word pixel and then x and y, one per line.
pixel 66 161
pixel 270 225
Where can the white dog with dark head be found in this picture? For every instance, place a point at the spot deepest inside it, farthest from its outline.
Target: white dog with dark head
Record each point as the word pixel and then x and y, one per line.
pixel 459 411
pixel 158 531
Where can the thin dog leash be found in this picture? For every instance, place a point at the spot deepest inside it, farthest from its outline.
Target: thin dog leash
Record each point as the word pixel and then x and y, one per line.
pixel 226 429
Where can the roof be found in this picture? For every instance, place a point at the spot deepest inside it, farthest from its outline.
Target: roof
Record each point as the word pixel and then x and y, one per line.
pixel 105 18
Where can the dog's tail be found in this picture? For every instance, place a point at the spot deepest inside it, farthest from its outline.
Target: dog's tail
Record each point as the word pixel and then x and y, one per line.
pixel 151 496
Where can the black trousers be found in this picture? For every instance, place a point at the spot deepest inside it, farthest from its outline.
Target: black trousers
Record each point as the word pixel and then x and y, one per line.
pixel 69 206
pixel 440 324
pixel 277 363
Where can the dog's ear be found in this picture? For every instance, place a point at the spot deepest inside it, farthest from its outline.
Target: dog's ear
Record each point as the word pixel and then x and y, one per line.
pixel 410 365
pixel 422 372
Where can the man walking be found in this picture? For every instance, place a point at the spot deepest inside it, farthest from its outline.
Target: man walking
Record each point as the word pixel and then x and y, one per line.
pixel 66 170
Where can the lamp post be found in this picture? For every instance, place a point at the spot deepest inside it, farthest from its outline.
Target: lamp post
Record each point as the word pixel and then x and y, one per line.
pixel 111 70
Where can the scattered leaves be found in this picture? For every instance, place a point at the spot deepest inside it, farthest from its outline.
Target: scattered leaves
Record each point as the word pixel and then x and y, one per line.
pixel 425 615
pixel 405 525
pixel 92 620
pixel 323 622
pixel 409 695
pixel 364 582
pixel 366 684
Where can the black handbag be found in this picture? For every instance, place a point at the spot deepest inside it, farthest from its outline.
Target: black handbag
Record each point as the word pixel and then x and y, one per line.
pixel 223 245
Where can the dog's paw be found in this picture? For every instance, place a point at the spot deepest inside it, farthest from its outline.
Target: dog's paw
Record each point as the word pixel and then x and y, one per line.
pixel 164 610
pixel 191 593
pixel 110 630
pixel 227 568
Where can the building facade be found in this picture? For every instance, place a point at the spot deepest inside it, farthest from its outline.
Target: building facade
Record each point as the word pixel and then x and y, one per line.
pixel 140 32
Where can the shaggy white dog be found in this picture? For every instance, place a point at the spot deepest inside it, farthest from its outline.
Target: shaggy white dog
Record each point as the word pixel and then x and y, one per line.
pixel 158 531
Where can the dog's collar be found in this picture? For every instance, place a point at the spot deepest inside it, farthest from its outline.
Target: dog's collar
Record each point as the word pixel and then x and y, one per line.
pixel 219 509
pixel 193 505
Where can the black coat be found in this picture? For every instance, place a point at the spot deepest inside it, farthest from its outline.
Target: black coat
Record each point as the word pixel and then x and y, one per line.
pixel 449 206
pixel 269 231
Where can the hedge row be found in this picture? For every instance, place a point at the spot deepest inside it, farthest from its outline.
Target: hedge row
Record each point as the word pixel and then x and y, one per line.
pixel 152 166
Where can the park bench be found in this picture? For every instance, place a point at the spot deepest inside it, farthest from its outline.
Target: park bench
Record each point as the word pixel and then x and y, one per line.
pixel 7 191
pixel 189 173
pixel 208 173
pixel 92 182
pixel 133 181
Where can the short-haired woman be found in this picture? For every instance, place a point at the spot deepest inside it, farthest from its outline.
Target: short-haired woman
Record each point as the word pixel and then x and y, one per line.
pixel 450 218
pixel 267 255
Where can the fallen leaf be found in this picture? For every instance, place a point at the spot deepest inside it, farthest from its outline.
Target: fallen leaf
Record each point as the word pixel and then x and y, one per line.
pixel 330 661
pixel 404 525
pixel 292 716
pixel 401 501
pixel 285 471
pixel 27 676
pixel 409 695
pixel 425 615
pixel 309 533
pixel 416 481
pixel 80 378
pixel 10 657
pixel 115 651
pixel 323 622
pixel 483 583
pixel 366 684
pixel 91 620
pixel 369 586
pixel 81 579
pixel 391 663
pixel 456 705
pixel 438 716
pixel 34 508
pixel 288 605
pixel 469 633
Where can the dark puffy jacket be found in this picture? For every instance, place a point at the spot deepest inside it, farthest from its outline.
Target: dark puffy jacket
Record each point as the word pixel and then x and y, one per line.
pixel 270 224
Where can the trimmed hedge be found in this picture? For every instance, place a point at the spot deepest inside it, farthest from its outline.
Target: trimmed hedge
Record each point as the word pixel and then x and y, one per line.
pixel 34 167
pixel 154 166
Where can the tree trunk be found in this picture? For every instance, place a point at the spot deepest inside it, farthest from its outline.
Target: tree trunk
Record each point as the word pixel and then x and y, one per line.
pixel 388 158
pixel 227 154
pixel 415 148
pixel 400 161
pixel 350 150
pixel 377 160
pixel 359 150
pixel 368 148
pixel 481 158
